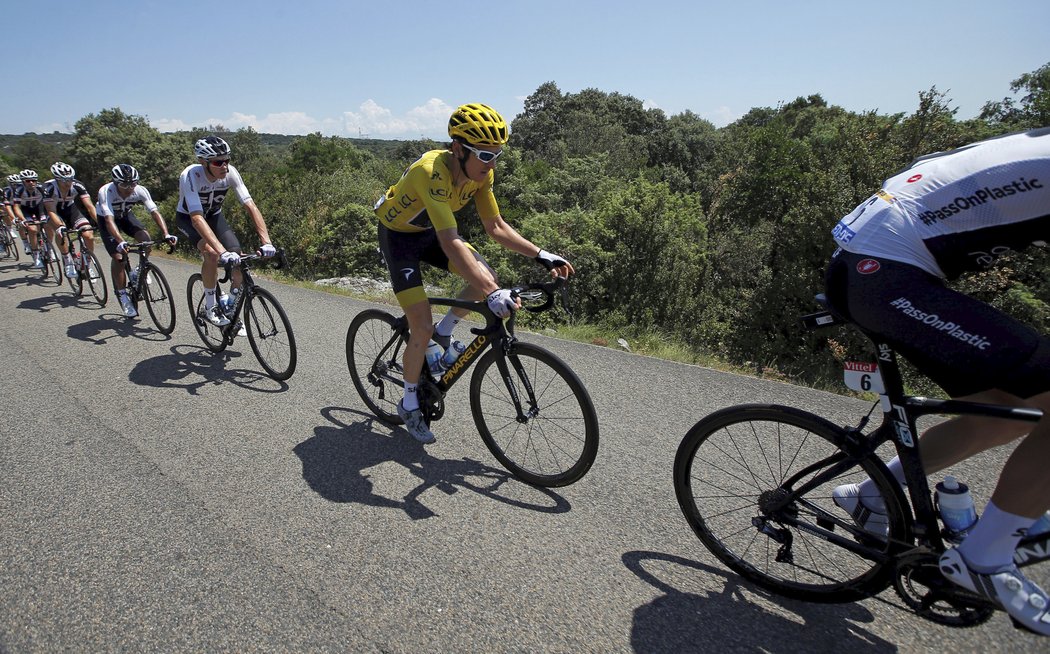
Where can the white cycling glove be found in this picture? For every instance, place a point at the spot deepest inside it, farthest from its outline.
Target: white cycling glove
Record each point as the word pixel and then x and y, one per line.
pixel 171 239
pixel 122 247
pixel 61 232
pixel 229 258
pixel 267 250
pixel 501 302
pixel 550 261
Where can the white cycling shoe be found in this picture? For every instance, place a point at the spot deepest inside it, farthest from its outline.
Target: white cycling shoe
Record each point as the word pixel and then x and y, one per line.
pixel 847 498
pixel 1026 603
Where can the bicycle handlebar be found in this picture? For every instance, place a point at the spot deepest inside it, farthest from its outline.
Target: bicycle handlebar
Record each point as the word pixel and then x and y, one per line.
pixel 142 245
pixel 280 261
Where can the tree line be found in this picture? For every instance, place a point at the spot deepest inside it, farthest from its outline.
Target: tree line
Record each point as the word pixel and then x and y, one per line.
pixel 712 238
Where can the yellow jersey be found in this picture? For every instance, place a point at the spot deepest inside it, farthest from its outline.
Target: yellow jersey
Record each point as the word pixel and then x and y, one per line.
pixel 425 197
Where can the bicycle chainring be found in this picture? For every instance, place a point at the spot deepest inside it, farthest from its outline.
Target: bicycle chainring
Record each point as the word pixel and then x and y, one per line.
pixel 430 400
pixel 919 582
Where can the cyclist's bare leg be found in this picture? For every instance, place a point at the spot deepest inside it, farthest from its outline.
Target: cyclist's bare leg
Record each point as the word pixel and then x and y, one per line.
pixel 958 439
pixel 421 327
pixel 89 240
pixel 210 265
pixel 116 271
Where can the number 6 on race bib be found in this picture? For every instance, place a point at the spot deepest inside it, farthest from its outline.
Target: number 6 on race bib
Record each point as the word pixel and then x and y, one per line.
pixel 863 377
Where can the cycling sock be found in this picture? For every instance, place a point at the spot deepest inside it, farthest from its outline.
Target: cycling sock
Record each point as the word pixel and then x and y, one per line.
pixel 209 297
pixel 447 324
pixel 990 546
pixel 898 471
pixel 411 401
pixel 869 495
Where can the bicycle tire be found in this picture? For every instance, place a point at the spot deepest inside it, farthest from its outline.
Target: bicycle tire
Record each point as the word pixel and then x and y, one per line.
pixel 264 319
pixel 379 381
pixel 51 269
pixel 213 337
pixel 721 489
pixel 12 247
pixel 160 303
pixel 557 442
pixel 96 283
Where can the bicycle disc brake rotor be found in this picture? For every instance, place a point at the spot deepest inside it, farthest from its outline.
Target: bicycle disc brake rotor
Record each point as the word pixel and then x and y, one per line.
pixel 919 582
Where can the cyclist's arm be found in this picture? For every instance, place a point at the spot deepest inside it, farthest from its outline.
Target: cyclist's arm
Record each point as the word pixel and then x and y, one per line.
pixel 51 211
pixel 462 259
pixel 17 208
pixel 159 219
pixel 89 208
pixel 257 220
pixel 154 212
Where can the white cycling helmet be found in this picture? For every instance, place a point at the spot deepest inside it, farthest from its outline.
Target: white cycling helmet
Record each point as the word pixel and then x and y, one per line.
pixel 63 171
pixel 27 175
pixel 211 147
pixel 125 174
pixel 14 179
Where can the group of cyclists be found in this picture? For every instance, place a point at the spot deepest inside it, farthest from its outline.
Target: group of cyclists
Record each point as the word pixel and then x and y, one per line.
pixel 946 213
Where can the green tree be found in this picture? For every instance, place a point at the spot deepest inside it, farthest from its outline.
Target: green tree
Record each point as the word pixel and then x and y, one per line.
pixel 1033 108
pixel 103 140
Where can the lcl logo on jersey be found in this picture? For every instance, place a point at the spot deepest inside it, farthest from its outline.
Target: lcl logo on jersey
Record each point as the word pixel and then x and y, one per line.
pixel 868 266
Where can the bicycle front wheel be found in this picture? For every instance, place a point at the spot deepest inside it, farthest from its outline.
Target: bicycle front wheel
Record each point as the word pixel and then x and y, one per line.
pixel 92 272
pixel 13 249
pixel 51 270
pixel 373 356
pixel 160 304
pixel 553 439
pixel 213 337
pixel 270 334
pixel 76 283
pixel 732 473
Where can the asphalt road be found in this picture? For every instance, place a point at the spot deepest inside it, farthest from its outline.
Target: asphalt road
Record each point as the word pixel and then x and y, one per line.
pixel 156 497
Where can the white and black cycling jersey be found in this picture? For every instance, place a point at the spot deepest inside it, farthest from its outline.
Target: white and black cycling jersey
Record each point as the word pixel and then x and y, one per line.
pixel 955 211
pixel 64 200
pixel 197 194
pixel 110 203
pixel 9 194
pixel 30 198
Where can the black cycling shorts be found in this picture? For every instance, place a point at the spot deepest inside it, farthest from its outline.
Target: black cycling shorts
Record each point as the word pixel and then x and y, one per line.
pixel 962 344
pixel 128 224
pixel 404 251
pixel 218 225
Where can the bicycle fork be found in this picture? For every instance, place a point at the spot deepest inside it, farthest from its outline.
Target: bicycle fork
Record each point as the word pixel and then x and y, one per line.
pixel 505 372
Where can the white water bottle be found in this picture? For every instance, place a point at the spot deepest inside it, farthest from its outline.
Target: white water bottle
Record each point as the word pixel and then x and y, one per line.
pixel 434 352
pixel 455 349
pixel 956 508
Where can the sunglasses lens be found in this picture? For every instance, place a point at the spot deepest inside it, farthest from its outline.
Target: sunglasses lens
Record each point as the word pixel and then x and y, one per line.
pixel 223 162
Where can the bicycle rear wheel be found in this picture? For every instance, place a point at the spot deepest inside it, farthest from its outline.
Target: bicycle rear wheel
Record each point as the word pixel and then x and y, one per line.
pixel 270 334
pixel 51 270
pixel 92 272
pixel 160 303
pixel 733 471
pixel 555 441
pixel 373 356
pixel 13 250
pixel 213 337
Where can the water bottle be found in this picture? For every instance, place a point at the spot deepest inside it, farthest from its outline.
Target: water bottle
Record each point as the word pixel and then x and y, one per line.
pixel 455 349
pixel 225 303
pixel 134 276
pixel 1041 526
pixel 956 507
pixel 433 354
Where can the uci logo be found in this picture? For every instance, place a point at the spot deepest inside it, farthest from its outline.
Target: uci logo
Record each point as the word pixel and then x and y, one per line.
pixel 868 266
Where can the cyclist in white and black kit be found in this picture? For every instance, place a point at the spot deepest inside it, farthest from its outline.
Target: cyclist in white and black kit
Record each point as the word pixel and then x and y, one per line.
pixel 114 208
pixel 202 189
pixel 10 219
pixel 28 204
pixel 68 203
pixel 948 213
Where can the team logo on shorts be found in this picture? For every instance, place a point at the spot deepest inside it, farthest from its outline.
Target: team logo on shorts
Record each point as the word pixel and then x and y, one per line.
pixel 868 266
pixel 914 178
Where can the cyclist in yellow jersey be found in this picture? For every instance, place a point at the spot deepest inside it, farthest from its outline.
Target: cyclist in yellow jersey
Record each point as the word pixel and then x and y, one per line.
pixel 417 223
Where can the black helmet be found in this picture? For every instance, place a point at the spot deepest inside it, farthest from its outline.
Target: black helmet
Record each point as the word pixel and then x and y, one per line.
pixel 210 147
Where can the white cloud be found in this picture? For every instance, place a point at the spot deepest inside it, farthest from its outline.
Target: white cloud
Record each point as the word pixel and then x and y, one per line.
pixel 721 116
pixel 429 119
pixel 168 125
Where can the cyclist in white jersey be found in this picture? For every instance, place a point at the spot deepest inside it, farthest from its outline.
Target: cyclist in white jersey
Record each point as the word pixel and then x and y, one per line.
pixel 115 202
pixel 10 219
pixel 202 189
pixel 946 214
pixel 28 204
pixel 66 201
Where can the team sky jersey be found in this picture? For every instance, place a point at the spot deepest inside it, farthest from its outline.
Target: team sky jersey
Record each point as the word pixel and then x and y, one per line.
pixel 959 210
pixel 64 201
pixel 425 197
pixel 111 204
pixel 198 195
pixel 28 199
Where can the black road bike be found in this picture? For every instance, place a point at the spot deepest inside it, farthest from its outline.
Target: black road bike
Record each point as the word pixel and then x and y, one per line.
pixel 531 409
pixel 754 482
pixel 52 267
pixel 148 285
pixel 8 244
pixel 267 326
pixel 85 265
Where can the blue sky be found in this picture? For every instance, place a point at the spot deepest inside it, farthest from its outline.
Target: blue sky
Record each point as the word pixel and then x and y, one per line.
pixel 396 70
